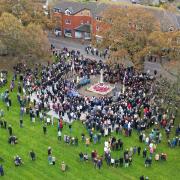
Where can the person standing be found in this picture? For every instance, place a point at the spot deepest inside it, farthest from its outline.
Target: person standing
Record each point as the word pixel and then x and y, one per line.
pixel 7 105
pixel 63 166
pixel 32 155
pixel 70 128
pixel 87 142
pixel 10 102
pixel 139 150
pixel 49 151
pixel 53 160
pixel 141 177
pixel 19 88
pixel 21 123
pixel 59 135
pixel 44 129
pixel 144 153
pixel 99 163
pixel 61 125
pixel 10 130
pixel 1 170
pixel 5 124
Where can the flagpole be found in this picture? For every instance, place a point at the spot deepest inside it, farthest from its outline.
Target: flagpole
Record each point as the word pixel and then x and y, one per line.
pixel 124 79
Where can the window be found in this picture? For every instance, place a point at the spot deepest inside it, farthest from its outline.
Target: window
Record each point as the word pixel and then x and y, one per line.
pixel 67 21
pixel 98 18
pixel 97 28
pixel 57 10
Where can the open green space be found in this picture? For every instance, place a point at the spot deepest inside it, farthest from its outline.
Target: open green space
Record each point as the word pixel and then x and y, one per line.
pixel 31 137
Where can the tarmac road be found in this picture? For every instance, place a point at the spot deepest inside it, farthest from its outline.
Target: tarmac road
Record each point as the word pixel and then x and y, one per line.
pixel 60 43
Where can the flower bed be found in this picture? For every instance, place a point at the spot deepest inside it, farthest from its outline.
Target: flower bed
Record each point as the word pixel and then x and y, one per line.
pixel 101 88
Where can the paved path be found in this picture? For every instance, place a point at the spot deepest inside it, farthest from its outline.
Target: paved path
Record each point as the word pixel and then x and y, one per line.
pixel 52 113
pixel 151 66
pixel 60 43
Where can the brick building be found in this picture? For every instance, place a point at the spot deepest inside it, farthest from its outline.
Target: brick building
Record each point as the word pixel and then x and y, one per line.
pixel 82 20
pixel 78 20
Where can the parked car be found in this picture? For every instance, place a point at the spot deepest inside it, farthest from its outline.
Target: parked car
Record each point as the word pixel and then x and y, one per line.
pixel 57 32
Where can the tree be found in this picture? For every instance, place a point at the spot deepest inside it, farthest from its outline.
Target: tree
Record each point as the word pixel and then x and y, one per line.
pixel 22 40
pixel 127 31
pixel 27 11
pixel 37 41
pixel 11 32
pixel 165 44
pixel 22 28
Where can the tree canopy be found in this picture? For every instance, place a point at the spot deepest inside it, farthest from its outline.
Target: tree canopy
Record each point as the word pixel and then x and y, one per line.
pixel 27 11
pixel 132 33
pixel 22 40
pixel 22 28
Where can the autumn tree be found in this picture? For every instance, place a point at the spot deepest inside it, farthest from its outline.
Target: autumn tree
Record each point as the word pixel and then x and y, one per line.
pixel 37 41
pixel 11 32
pixel 23 24
pixel 165 44
pixel 127 32
pixel 19 40
pixel 27 11
pixel 134 34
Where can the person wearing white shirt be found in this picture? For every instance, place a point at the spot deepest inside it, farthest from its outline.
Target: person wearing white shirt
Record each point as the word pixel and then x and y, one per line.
pixel 48 120
pixel 59 135
pixel 106 144
pixel 112 161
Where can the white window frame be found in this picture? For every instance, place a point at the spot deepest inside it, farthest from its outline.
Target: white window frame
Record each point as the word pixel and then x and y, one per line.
pixel 67 21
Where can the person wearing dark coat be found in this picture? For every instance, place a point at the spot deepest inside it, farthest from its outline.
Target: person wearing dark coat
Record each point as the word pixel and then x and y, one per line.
pixel 32 155
pixel 10 130
pixel 1 170
pixel 139 150
pixel 121 161
pixel 144 153
pixel 5 124
pixel 44 129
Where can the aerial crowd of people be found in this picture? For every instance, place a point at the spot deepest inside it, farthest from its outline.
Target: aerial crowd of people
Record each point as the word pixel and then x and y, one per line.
pixel 47 88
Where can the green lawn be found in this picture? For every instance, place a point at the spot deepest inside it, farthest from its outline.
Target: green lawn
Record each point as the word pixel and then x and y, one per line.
pixel 32 137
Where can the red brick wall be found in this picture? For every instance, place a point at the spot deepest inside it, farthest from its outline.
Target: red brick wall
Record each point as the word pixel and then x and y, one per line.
pixel 76 21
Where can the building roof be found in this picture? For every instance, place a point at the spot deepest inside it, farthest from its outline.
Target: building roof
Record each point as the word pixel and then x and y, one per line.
pixel 75 7
pixel 167 19
pixel 84 28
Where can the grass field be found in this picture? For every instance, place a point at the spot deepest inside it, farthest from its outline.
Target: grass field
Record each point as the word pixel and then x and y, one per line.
pixel 32 137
